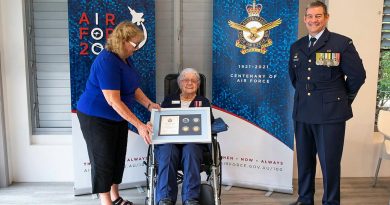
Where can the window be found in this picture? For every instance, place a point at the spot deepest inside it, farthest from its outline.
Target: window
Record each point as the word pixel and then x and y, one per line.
pixel 48 67
pixel 383 94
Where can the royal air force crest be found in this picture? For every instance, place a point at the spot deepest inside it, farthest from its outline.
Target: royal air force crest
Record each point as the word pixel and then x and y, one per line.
pixel 254 31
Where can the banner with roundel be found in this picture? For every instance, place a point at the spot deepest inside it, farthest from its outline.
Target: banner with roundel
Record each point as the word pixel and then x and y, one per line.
pixel 90 22
pixel 252 90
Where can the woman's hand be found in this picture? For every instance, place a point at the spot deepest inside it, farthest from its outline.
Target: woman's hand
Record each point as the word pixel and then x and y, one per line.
pixel 153 105
pixel 145 131
pixel 145 101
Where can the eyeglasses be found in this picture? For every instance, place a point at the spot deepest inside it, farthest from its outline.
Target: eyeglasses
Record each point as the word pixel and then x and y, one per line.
pixel 187 81
pixel 134 44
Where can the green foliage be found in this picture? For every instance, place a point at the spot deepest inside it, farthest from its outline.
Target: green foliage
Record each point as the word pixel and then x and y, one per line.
pixel 383 96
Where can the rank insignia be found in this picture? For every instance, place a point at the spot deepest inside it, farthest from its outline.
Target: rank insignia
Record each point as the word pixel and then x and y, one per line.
pixel 328 59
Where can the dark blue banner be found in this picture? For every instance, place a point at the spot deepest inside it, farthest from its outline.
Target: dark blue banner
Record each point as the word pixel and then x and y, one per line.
pixel 90 22
pixel 251 41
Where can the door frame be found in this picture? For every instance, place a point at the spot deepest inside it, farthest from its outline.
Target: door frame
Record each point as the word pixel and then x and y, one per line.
pixel 4 170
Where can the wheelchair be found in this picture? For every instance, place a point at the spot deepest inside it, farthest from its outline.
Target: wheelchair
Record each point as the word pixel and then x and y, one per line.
pixel 210 189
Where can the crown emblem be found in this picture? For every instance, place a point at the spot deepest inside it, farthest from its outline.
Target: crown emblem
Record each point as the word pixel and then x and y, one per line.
pixel 254 9
pixel 254 31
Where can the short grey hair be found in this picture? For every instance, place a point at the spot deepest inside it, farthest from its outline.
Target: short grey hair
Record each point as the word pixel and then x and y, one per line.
pixel 185 71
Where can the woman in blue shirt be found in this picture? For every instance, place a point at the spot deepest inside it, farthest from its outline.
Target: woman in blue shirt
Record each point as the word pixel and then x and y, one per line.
pixel 104 110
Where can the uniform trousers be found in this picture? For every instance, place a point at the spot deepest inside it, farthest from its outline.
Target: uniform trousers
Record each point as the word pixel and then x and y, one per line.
pixel 326 140
pixel 106 144
pixel 171 158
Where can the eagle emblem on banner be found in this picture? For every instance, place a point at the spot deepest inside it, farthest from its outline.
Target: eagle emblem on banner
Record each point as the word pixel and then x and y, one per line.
pixel 254 31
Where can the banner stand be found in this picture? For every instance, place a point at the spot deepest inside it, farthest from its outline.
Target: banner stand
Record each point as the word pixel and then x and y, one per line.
pixel 252 91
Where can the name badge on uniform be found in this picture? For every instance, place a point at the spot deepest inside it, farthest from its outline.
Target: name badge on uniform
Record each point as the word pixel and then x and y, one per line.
pixel 328 59
pixel 175 102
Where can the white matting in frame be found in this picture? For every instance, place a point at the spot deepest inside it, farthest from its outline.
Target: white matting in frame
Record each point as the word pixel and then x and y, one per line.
pixel 181 125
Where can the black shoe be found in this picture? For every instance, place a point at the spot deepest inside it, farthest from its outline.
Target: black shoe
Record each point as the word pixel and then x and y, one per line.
pixel 165 202
pixel 191 202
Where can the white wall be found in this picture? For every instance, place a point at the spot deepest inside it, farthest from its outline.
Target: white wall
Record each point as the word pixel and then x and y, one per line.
pixel 4 177
pixel 361 21
pixel 29 159
pixel 197 38
pixel 164 44
pixel 49 158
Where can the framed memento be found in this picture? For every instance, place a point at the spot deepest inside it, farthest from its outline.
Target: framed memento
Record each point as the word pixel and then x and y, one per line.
pixel 181 125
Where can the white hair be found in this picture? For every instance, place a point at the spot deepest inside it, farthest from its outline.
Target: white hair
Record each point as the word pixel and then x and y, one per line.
pixel 185 71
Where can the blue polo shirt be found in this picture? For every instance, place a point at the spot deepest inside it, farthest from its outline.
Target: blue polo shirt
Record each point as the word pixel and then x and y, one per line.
pixel 108 72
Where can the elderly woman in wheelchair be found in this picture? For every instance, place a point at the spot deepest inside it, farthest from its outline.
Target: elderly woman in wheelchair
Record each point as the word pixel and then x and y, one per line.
pixel 187 157
pixel 190 159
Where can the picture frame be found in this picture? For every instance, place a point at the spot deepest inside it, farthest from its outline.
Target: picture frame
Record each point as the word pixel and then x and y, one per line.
pixel 181 125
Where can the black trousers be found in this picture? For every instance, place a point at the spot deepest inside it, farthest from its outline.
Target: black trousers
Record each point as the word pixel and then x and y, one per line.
pixel 106 143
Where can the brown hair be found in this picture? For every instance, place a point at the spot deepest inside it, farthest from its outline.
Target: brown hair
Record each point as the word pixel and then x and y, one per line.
pixel 123 32
pixel 318 4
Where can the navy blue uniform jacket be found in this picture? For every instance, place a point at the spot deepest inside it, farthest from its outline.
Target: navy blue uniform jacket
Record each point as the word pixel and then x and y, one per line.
pixel 326 78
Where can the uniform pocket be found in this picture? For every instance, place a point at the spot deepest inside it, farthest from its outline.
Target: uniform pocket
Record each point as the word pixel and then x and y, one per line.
pixel 335 105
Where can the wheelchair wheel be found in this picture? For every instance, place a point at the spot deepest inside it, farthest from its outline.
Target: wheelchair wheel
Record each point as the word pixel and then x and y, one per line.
pixel 218 165
pixel 214 180
pixel 206 195
pixel 147 164
pixel 150 176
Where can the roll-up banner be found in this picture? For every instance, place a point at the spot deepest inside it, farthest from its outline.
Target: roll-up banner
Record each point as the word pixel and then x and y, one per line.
pixel 252 91
pixel 90 22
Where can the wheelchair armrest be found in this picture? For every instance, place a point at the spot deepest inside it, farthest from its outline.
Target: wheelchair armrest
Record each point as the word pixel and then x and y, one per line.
pixel 218 126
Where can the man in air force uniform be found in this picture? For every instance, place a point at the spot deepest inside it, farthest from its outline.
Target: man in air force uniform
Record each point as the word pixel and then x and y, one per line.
pixel 326 72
